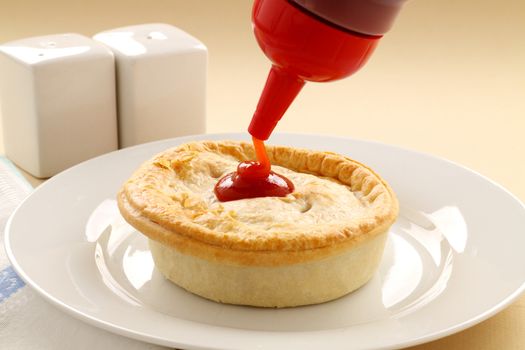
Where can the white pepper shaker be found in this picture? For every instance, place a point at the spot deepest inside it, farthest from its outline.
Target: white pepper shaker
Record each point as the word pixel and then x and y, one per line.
pixel 161 82
pixel 57 97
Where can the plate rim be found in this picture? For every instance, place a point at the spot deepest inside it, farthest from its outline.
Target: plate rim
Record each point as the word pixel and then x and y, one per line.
pixel 138 335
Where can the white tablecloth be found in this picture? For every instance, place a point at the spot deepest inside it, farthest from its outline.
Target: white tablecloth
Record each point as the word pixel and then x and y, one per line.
pixel 26 320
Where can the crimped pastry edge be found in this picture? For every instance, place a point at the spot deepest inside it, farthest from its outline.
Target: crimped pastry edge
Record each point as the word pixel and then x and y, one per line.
pixel 284 249
pixel 221 254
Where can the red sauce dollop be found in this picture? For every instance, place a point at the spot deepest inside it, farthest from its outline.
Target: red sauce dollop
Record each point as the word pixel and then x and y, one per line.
pixel 253 179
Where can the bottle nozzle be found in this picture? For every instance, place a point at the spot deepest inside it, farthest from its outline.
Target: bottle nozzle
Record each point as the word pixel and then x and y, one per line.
pixel 279 92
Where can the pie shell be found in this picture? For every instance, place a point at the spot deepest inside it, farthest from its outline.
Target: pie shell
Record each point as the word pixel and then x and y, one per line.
pixel 284 269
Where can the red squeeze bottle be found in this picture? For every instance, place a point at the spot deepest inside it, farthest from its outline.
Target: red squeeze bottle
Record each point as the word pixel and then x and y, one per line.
pixel 306 40
pixel 313 40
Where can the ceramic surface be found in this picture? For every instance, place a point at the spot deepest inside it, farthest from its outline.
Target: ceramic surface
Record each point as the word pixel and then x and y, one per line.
pixel 161 79
pixel 453 258
pixel 58 101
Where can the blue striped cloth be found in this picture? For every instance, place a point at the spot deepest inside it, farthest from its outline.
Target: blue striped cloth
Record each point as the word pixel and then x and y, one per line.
pixel 27 321
pixel 13 189
pixel 9 283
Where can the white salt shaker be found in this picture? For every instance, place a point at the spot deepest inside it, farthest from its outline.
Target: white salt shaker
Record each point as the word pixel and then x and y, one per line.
pixel 57 98
pixel 161 82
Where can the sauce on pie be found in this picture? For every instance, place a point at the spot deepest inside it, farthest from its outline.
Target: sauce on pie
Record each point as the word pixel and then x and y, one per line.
pixel 253 179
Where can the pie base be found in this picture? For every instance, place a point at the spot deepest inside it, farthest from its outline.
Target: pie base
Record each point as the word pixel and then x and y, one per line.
pixel 282 286
pixel 317 244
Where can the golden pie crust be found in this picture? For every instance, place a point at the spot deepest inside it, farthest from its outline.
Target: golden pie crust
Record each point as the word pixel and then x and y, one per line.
pixel 261 251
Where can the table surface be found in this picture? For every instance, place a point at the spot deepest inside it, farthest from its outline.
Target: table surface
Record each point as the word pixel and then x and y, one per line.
pixel 449 79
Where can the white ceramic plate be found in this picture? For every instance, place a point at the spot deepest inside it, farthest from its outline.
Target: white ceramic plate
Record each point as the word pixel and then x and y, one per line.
pixel 454 258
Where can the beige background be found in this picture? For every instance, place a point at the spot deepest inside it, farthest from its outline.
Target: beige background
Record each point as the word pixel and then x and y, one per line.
pixel 449 79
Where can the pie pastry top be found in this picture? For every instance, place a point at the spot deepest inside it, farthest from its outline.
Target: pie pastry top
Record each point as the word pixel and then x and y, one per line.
pixel 337 202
